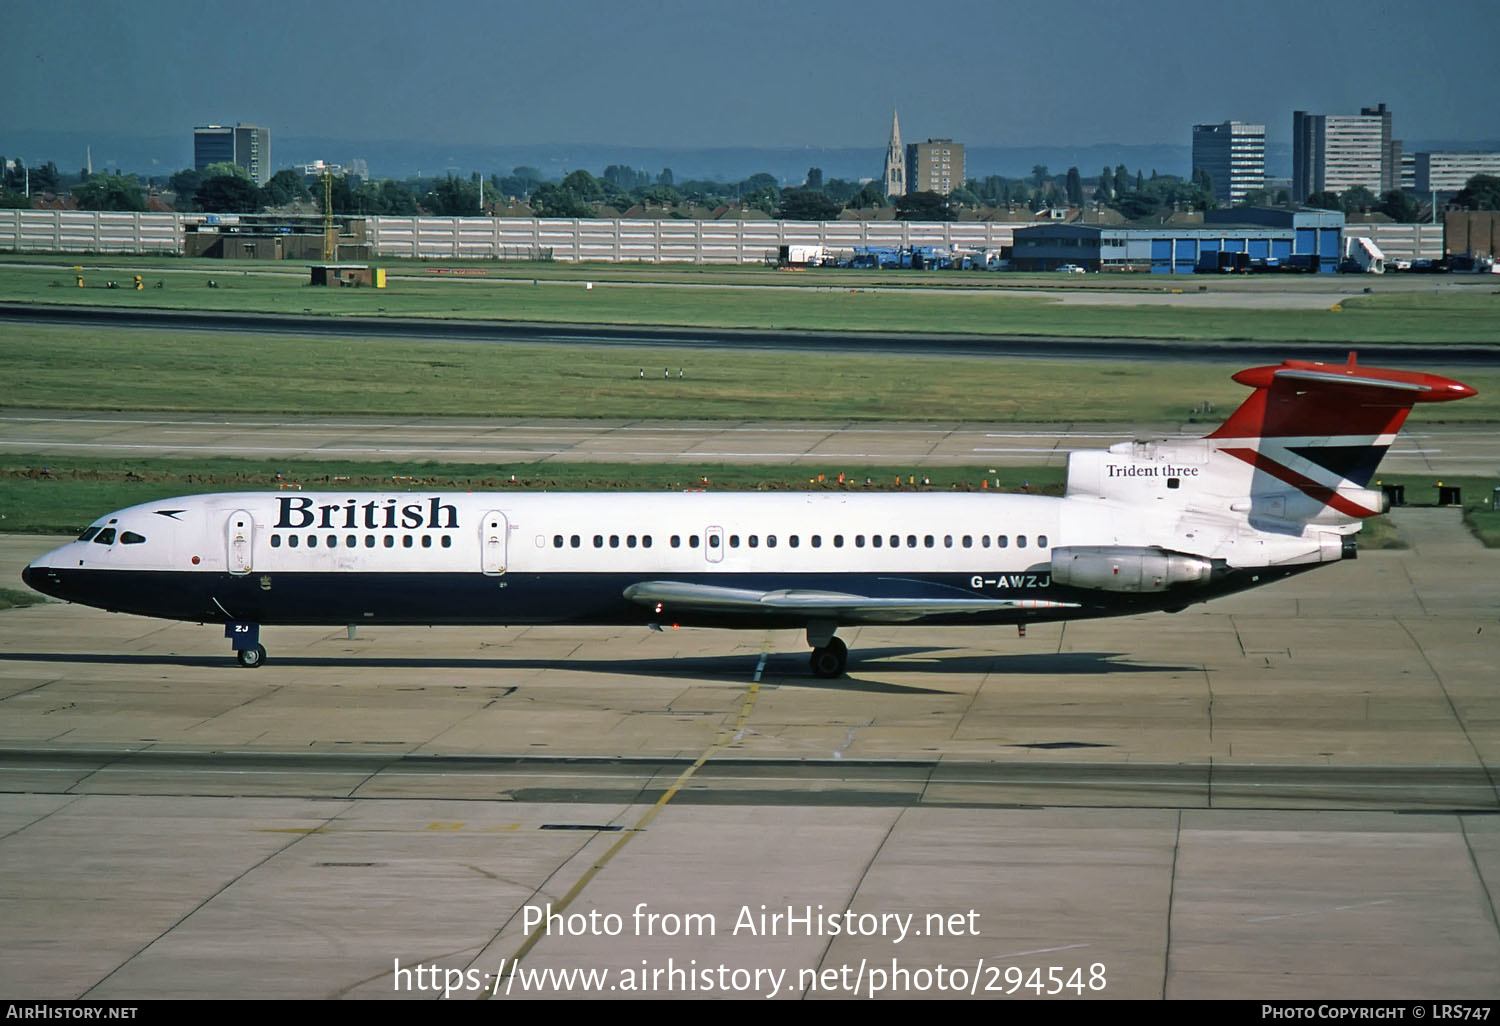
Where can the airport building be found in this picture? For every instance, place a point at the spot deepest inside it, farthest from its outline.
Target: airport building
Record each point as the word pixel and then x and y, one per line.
pixel 1408 173
pixel 1336 152
pixel 936 165
pixel 1447 173
pixel 249 146
pixel 1471 233
pixel 1249 239
pixel 1234 155
pixel 1390 149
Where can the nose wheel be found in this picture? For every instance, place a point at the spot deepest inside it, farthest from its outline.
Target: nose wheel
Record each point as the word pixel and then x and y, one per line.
pixel 830 660
pixel 245 637
pixel 250 658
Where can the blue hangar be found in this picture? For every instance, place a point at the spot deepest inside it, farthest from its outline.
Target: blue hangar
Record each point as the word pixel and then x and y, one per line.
pixel 1245 239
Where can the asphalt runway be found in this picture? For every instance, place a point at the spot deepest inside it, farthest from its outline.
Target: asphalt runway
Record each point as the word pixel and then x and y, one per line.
pixel 1291 793
pixel 1424 449
pixel 416 329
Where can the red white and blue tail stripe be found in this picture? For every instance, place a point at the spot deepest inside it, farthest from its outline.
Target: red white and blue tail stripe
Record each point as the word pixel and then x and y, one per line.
pixel 1322 428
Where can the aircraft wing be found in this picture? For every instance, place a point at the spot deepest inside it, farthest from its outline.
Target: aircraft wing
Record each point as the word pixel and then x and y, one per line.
pixel 843 606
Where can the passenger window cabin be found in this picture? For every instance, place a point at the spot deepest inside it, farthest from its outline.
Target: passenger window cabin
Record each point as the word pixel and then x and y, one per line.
pixel 331 541
pixel 712 542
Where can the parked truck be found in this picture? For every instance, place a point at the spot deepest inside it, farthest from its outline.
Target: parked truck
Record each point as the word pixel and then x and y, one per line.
pixel 799 256
pixel 1217 261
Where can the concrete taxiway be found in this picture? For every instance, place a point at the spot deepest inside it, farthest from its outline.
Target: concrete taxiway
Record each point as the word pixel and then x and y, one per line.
pixel 1426 448
pixel 1290 793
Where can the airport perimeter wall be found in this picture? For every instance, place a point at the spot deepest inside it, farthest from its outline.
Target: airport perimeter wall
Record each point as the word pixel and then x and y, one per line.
pixel 89 231
pixel 651 241
pixel 572 240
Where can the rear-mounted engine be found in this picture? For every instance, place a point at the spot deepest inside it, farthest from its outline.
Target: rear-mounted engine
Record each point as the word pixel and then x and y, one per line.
pixel 1128 568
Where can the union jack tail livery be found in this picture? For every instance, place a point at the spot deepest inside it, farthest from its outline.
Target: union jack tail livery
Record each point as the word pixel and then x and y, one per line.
pixel 1321 429
pixel 1283 483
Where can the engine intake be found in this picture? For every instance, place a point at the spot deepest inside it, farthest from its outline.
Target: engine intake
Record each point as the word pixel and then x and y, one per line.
pixel 1128 568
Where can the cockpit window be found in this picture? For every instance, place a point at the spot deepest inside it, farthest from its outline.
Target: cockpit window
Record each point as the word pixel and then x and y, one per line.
pixel 105 537
pixel 131 538
pixel 88 532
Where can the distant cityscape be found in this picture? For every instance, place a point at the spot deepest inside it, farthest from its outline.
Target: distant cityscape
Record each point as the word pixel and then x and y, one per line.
pixel 1349 162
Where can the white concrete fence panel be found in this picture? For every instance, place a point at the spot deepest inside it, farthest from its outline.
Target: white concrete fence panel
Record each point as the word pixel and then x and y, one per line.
pixel 573 239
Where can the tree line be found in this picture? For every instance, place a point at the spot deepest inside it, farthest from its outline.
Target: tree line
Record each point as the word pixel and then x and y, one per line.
pixel 228 188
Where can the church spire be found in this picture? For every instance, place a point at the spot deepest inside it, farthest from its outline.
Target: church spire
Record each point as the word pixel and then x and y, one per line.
pixel 895 161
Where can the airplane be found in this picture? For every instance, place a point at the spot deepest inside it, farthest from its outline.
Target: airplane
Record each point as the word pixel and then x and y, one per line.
pixel 1280 488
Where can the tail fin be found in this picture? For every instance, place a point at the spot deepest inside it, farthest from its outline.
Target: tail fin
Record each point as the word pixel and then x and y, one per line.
pixel 1323 427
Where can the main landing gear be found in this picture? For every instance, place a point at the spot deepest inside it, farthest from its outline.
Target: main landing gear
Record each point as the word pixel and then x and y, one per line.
pixel 830 656
pixel 831 660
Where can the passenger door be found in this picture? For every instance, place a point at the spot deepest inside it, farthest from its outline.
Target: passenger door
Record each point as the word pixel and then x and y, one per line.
pixel 239 540
pixel 492 538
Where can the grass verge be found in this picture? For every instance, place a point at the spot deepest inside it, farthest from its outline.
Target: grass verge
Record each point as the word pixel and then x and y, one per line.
pixel 1484 522
pixel 1380 533
pixel 10 598
pixel 1478 516
pixel 52 367
pixel 896 305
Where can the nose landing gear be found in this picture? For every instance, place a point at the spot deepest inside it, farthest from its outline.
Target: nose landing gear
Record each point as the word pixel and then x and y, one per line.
pixel 250 658
pixel 245 637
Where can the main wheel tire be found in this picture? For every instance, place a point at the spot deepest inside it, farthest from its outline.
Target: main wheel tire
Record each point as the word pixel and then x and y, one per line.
pixel 251 658
pixel 830 661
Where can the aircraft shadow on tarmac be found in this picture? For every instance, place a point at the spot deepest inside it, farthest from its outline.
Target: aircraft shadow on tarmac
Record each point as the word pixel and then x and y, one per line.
pixel 781 669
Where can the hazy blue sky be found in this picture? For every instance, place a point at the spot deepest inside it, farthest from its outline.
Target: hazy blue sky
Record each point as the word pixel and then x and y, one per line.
pixel 675 73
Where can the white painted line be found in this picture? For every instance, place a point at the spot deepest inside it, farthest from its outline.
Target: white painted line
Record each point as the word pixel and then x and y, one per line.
pixel 1068 434
pixel 1318 911
pixel 1039 951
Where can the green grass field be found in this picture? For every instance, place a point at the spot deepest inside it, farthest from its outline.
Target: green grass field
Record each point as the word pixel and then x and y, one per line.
pixel 135 369
pixel 469 270
pixel 818 301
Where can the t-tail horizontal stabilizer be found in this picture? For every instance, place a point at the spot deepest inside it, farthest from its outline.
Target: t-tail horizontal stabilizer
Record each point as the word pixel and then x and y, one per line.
pixel 1317 431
